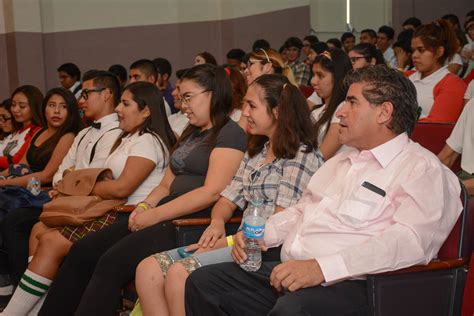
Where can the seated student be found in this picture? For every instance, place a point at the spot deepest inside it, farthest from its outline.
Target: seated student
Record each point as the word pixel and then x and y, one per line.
pixel 293 46
pixel 204 58
pixel 461 142
pixel 121 73
pixel 90 149
pixel 239 88
pixel 164 71
pixel 334 43
pixel 402 49
pixel 368 36
pixel 411 23
pixel 385 37
pixel 308 40
pixel 439 93
pixel 364 54
pixel 314 51
pixel 26 112
pixel 145 70
pixel 49 145
pixel 178 121
pixel 234 57
pixel 6 117
pixel 267 62
pixel 329 70
pixel 260 44
pixel 324 240
pixel 138 161
pixel 279 162
pixel 70 78
pixel 348 41
pixel 206 158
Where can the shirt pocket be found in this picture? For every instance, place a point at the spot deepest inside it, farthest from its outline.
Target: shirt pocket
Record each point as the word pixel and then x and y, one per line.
pixel 363 207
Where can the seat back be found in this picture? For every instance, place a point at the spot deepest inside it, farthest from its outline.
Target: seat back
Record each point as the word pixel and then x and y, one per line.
pixel 306 91
pixel 432 136
pixel 458 243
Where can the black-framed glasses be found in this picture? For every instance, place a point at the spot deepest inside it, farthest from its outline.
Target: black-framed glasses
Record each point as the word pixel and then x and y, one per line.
pixel 354 59
pixel 4 118
pixel 85 92
pixel 186 98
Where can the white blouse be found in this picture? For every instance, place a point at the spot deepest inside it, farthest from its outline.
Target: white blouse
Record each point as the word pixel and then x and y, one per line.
pixel 146 146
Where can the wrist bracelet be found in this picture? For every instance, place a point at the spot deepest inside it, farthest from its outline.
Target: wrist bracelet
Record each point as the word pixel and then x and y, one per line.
pixel 230 241
pixel 145 205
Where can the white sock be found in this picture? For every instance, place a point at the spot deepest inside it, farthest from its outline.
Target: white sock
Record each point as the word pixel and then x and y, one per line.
pixel 29 291
pixel 37 307
pixel 30 258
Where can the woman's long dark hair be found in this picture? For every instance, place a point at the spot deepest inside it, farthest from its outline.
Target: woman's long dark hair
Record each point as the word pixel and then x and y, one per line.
pixel 338 64
pixel 146 94
pixel 72 124
pixel 212 78
pixel 293 123
pixel 35 98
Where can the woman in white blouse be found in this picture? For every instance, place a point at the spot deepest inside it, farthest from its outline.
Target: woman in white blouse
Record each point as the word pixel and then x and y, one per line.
pixel 138 161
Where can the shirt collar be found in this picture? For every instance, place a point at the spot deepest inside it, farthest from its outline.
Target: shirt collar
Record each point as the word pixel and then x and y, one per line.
pixel 387 151
pixel 74 86
pixel 434 77
pixel 106 120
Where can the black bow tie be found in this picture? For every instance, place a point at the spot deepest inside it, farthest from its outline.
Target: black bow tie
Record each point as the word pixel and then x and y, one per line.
pixel 95 125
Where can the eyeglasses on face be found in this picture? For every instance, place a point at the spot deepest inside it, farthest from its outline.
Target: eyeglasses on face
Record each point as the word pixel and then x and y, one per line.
pixel 354 59
pixel 4 118
pixel 186 98
pixel 85 92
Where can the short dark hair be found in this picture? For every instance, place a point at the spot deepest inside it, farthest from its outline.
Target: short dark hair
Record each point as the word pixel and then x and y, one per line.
pixel 369 51
pixel 387 30
pixel 335 42
pixel 163 66
pixel 311 39
pixel 181 72
pixel 120 71
pixel 371 32
pixel 235 53
pixel 105 79
pixel 260 44
pixel 293 42
pixel 383 84
pixel 453 18
pixel 347 35
pixel 71 69
pixel 319 47
pixel 146 66
pixel 414 21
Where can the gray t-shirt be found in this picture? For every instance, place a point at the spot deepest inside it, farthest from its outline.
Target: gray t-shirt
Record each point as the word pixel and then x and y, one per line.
pixel 190 161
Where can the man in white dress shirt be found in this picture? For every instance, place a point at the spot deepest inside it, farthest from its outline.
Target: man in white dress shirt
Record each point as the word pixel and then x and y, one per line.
pixel 386 204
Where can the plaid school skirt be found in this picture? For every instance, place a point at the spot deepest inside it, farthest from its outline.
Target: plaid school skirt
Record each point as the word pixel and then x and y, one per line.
pixel 75 233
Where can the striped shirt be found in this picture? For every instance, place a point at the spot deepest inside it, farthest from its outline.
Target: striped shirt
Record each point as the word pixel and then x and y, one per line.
pixel 301 72
pixel 280 183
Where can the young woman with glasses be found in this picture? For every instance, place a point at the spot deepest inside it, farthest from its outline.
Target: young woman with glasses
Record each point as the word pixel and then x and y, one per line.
pixel 6 127
pixel 202 164
pixel 365 54
pixel 266 61
pixel 277 166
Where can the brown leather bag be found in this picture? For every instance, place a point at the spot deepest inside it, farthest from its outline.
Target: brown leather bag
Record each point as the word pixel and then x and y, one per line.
pixel 75 206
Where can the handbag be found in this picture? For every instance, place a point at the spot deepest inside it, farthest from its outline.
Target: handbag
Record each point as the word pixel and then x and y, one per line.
pixel 75 205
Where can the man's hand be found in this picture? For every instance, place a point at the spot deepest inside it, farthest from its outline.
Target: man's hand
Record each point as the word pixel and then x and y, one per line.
pixel 296 274
pixel 238 250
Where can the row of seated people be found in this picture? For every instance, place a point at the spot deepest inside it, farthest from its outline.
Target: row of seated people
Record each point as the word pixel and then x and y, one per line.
pixel 197 174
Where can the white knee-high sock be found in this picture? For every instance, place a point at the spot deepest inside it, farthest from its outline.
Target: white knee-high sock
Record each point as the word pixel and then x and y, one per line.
pixel 31 288
pixel 37 307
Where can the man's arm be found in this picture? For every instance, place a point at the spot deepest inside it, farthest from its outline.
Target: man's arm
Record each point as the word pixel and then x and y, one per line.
pixel 427 208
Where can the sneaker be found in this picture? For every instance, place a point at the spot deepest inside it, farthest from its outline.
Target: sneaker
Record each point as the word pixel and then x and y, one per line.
pixel 6 287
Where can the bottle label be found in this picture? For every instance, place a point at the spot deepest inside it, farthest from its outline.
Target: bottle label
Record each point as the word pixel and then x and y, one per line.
pixel 253 231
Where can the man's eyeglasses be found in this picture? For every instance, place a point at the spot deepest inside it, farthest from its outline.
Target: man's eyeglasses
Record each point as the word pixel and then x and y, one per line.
pixel 85 92
pixel 354 59
pixel 4 118
pixel 185 99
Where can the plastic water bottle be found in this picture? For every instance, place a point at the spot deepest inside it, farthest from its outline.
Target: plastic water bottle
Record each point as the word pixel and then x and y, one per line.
pixel 254 229
pixel 34 186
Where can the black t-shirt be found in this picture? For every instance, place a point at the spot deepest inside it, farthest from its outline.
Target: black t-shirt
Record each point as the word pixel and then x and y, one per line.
pixel 190 161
